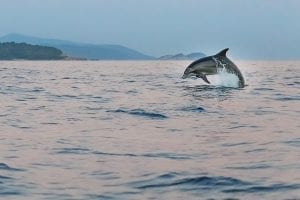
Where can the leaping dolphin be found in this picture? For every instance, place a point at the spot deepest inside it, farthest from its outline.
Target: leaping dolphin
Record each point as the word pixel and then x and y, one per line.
pixel 210 66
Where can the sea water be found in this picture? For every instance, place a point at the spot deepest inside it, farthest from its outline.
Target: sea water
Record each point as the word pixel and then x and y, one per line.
pixel 136 130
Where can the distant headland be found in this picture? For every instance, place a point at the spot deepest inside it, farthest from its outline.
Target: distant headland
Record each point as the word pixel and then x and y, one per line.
pixel 23 51
pixel 180 56
pixel 16 46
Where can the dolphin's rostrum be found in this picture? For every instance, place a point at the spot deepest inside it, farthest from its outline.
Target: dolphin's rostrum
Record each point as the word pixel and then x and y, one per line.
pixel 211 65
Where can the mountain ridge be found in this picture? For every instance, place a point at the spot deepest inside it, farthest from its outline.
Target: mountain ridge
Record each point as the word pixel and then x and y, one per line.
pixel 81 50
pixel 180 56
pixel 77 50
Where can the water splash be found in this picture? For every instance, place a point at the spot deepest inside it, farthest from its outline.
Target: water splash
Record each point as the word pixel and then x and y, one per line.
pixel 223 77
pixel 226 79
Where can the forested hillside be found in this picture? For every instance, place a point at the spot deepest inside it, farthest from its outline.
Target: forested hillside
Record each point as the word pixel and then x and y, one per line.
pixel 14 51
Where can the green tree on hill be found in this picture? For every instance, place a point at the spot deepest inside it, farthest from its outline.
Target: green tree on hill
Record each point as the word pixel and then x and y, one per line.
pixel 12 51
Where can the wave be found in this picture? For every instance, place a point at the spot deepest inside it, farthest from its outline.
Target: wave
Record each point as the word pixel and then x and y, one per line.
pixel 141 113
pixel 148 155
pixel 288 98
pixel 271 188
pixel 249 167
pixel 73 150
pixel 5 177
pixel 223 184
pixel 193 181
pixel 4 166
pixel 9 193
pixel 165 155
pixel 295 142
pixel 193 109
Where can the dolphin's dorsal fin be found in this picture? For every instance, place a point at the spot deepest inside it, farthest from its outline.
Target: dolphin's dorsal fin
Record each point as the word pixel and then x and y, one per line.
pixel 223 52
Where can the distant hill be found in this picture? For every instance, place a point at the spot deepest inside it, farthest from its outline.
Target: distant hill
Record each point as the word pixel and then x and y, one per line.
pixel 192 56
pixel 81 50
pixel 102 52
pixel 14 51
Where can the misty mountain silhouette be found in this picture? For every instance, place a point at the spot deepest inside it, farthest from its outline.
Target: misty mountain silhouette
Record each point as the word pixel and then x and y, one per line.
pixel 180 56
pixel 81 50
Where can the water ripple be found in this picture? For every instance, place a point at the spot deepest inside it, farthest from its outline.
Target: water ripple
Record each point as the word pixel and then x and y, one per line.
pixel 167 182
pixel 136 130
pixel 73 150
pixel 294 142
pixel 148 155
pixel 193 109
pixel 5 177
pixel 271 188
pixel 141 113
pixel 166 155
pixel 163 181
pixel 4 166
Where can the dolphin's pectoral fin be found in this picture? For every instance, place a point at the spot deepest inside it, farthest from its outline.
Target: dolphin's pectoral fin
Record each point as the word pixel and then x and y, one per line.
pixel 205 79
pixel 203 76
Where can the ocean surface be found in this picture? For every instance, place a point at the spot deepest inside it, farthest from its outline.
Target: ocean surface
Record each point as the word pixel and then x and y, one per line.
pixel 135 130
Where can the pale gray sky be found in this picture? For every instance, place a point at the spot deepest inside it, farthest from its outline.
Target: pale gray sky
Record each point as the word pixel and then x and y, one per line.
pixel 268 29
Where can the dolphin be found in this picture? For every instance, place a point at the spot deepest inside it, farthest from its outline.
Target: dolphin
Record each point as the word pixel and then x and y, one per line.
pixel 210 66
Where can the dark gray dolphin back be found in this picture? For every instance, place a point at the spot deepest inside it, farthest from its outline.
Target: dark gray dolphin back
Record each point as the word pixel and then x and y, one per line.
pixel 208 58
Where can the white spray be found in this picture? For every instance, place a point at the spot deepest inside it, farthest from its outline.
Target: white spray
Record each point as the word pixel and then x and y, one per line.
pixel 223 77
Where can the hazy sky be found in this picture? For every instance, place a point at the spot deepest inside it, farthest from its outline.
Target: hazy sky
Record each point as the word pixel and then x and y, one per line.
pixel 250 28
